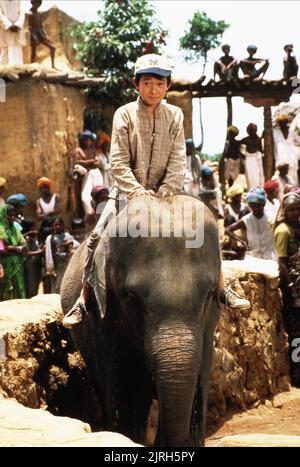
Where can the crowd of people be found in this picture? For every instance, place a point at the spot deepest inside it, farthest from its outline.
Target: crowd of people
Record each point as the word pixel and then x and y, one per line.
pixel 34 254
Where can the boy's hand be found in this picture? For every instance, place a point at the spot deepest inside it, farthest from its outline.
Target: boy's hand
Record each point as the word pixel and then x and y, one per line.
pixel 165 192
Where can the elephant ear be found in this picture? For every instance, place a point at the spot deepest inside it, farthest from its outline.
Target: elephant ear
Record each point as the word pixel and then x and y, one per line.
pixel 97 276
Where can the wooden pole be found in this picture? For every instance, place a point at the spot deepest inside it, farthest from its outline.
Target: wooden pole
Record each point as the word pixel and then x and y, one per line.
pixel 268 143
pixel 229 110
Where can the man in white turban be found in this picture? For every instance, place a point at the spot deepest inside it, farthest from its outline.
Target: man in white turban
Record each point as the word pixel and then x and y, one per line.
pixel 12 35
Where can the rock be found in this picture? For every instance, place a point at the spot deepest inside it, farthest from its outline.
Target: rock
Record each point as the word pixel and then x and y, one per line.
pixel 258 440
pixel 16 313
pixel 23 427
pixel 250 361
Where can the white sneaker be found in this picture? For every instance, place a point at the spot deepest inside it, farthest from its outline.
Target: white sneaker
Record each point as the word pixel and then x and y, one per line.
pixel 233 300
pixel 75 315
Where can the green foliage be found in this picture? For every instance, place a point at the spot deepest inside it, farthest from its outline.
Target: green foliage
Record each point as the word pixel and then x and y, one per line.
pixel 214 157
pixel 203 35
pixel 109 46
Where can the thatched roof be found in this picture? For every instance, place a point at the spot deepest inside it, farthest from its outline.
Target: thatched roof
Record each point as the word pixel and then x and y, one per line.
pixel 38 72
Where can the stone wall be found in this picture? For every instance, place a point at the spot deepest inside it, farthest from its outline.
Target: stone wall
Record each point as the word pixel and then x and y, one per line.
pixel 39 366
pixel 34 128
pixel 250 361
pixel 184 101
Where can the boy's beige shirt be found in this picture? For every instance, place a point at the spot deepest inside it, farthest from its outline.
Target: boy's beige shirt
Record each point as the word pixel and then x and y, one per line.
pixel 142 159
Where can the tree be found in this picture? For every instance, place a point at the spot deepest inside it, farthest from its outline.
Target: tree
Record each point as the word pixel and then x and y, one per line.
pixel 203 35
pixel 109 46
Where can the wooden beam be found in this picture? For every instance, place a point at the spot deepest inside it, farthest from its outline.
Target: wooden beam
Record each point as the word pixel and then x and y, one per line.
pixel 268 143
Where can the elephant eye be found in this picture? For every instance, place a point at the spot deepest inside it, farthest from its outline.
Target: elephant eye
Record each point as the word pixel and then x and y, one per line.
pixel 129 295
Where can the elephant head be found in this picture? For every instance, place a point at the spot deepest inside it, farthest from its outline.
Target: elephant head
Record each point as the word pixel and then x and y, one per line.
pixel 161 309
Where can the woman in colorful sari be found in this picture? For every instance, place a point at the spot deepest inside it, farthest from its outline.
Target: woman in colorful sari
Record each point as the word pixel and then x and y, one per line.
pixel 12 247
pixel 287 242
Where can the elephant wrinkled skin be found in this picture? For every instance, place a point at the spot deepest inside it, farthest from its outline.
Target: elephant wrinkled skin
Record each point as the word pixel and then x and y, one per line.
pixel 154 339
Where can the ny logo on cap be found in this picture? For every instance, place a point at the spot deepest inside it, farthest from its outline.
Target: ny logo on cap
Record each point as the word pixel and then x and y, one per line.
pixel 153 62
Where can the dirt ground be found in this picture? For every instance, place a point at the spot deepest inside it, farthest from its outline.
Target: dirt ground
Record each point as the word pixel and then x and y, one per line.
pixel 278 417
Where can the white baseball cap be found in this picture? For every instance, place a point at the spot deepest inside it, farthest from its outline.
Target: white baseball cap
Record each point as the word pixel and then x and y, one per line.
pixel 154 64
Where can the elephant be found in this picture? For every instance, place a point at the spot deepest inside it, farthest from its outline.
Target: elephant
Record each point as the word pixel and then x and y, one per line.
pixel 149 332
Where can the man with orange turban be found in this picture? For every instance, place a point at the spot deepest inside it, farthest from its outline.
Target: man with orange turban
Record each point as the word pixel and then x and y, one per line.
pixel 44 181
pixel 47 207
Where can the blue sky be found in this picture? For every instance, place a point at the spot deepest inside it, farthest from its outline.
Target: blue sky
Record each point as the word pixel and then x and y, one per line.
pixel 268 24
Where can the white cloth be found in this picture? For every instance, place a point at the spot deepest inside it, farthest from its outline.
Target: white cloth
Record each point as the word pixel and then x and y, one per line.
pixel 92 178
pixel 232 168
pixel 260 237
pixel 234 214
pixel 191 185
pixel 105 168
pixel 48 208
pixel 284 150
pixel 48 255
pixel 254 169
pixel 271 209
pixel 49 262
pixel 282 183
pixel 11 43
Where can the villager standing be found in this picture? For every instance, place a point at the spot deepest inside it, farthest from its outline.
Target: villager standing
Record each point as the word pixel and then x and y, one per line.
pixel 59 247
pixel 287 241
pixel 231 157
pixel 251 149
pixel 12 248
pixel 193 170
pixel 272 205
pixel 12 34
pixel 33 262
pixel 284 146
pixel 47 207
pixel 102 155
pixel 210 192
pixel 37 32
pixel 88 167
pixel 18 201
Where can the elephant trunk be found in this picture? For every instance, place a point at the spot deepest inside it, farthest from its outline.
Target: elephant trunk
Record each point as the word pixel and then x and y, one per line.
pixel 175 362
